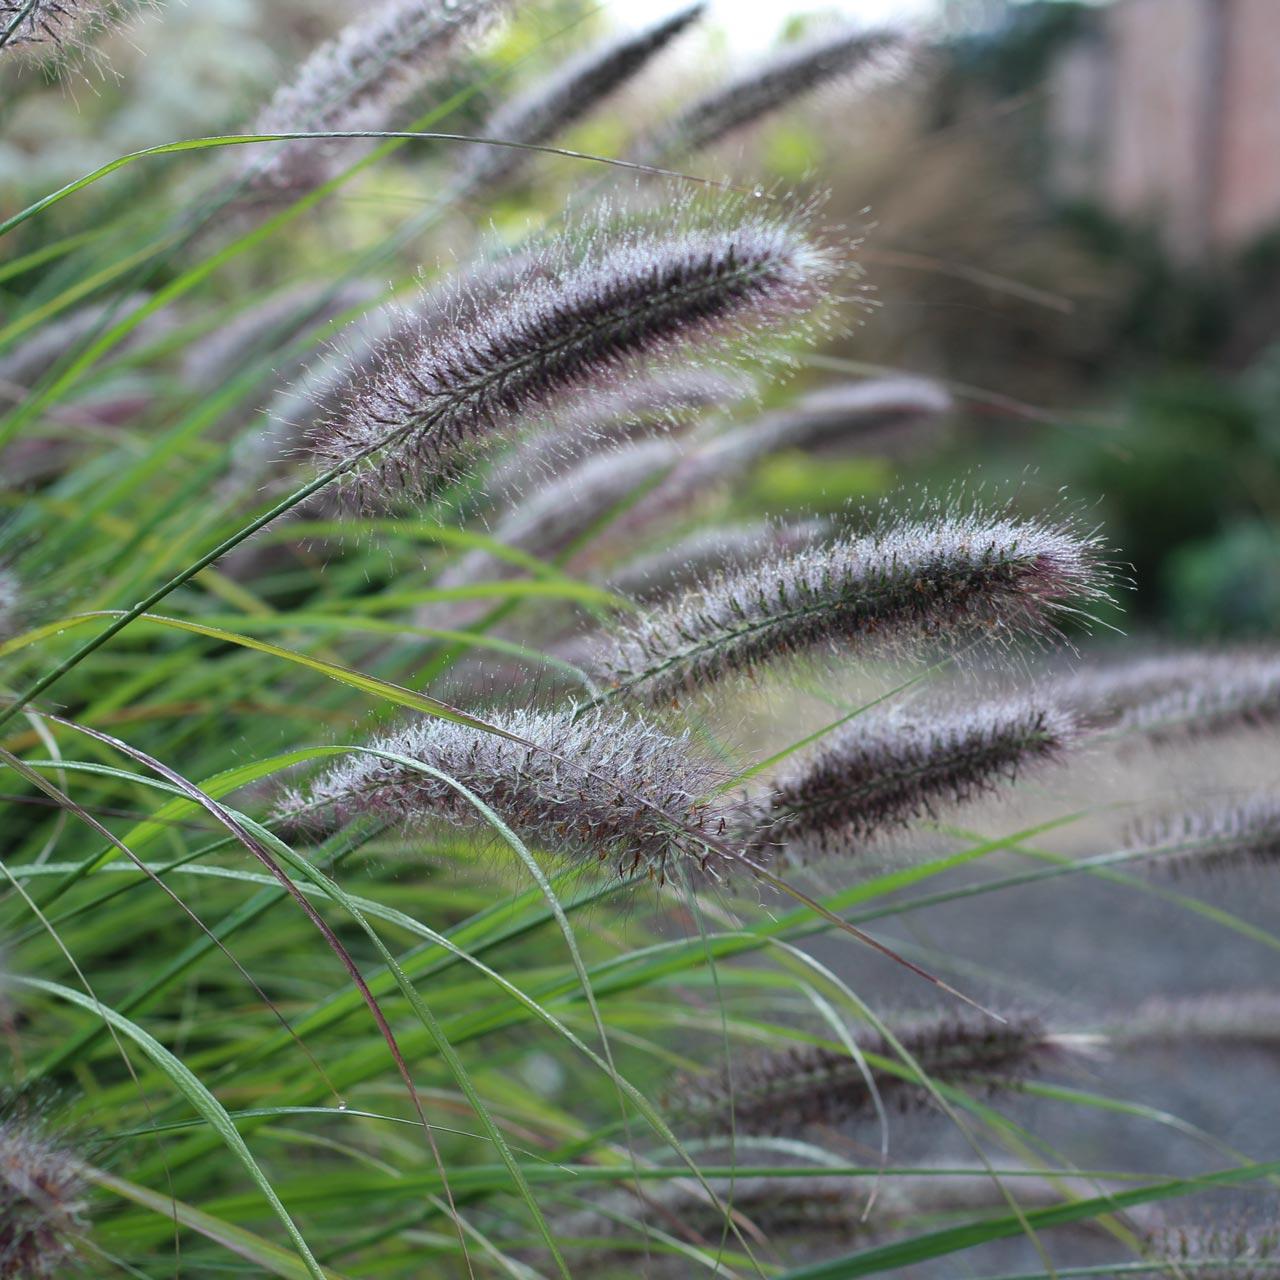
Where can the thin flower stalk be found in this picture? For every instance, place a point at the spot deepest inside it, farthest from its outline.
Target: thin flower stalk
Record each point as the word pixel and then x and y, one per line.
pixel 886 769
pixel 956 578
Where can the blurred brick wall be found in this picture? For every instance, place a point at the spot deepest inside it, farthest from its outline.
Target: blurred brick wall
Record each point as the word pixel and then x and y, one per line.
pixel 1171 112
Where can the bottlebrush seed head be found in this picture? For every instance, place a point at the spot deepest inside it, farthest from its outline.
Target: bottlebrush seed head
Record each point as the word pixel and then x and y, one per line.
pixel 269 326
pixel 851 415
pixel 1215 839
pixel 633 297
pixel 8 602
pixel 774 84
pixel 646 405
pixel 567 96
pixel 1230 694
pixel 1220 1251
pixel 52 28
pixel 710 551
pixel 358 81
pixel 1226 1018
pixel 783 1092
pixel 1178 697
pixel 553 517
pixel 22 366
pixel 953 578
pixel 600 786
pixel 887 769
pixel 41 1204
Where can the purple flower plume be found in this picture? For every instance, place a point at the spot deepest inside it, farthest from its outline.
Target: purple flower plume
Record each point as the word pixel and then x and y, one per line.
pixel 951 579
pixel 358 81
pixel 566 96
pixel 570 321
pixel 886 769
pixel 786 1092
pixel 601 786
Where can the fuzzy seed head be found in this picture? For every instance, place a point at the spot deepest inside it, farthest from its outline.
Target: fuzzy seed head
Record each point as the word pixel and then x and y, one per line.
pixel 706 552
pixel 358 81
pixel 884 770
pixel 1221 1251
pixel 852 415
pixel 648 404
pixel 1224 838
pixel 445 392
pixel 956 578
pixel 603 786
pixel 567 96
pixel 9 596
pixel 785 1092
pixel 52 28
pixel 1179 697
pixel 774 84
pixel 1225 1018
pixel 22 366
pixel 41 1205
pixel 553 517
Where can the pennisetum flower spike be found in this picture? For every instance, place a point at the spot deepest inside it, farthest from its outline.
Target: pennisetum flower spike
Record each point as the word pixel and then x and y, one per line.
pixel 785 1092
pixel 572 320
pixel 717 549
pixel 1219 838
pixel 1178 697
pixel 850 416
pixel 553 517
pixel 603 786
pixel 47 29
pixel 649 404
pixel 41 1204
pixel 954 578
pixel 567 96
pixel 8 602
pixel 1250 1018
pixel 886 769
pixel 358 81
pixel 793 73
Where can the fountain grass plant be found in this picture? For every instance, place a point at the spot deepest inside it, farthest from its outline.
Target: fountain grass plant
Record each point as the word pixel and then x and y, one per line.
pixel 382 892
